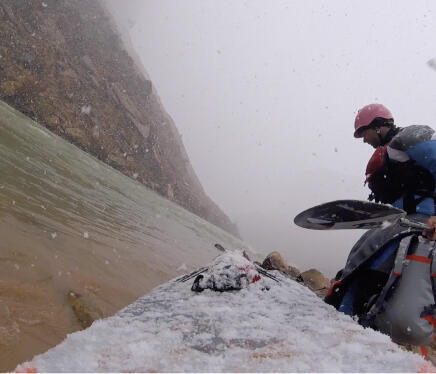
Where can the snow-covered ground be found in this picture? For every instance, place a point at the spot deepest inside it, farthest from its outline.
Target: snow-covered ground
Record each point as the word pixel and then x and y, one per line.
pixel 266 326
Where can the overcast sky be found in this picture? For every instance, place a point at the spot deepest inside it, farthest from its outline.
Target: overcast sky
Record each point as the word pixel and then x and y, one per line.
pixel 265 94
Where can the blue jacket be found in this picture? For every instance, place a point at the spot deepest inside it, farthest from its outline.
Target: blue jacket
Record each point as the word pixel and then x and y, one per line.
pixel 416 143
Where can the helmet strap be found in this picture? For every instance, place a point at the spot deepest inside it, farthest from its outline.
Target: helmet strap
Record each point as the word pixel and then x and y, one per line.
pixel 378 132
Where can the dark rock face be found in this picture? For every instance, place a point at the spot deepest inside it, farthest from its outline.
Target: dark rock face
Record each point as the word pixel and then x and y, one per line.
pixel 63 64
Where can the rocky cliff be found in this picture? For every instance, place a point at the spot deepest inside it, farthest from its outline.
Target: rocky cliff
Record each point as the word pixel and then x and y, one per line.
pixel 64 64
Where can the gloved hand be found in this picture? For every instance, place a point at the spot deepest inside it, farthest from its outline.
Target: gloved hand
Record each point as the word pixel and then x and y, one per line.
pixel 430 234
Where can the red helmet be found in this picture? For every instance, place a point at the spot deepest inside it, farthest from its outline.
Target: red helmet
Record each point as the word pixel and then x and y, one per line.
pixel 376 162
pixel 368 114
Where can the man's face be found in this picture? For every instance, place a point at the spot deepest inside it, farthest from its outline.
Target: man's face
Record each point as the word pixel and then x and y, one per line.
pixel 371 137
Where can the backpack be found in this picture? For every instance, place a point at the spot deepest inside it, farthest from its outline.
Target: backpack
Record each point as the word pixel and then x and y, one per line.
pixel 404 306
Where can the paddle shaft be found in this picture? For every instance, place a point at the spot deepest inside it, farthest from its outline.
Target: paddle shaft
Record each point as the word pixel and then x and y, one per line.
pixel 414 225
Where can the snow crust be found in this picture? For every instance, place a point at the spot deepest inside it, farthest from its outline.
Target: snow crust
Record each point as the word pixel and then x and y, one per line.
pixel 268 326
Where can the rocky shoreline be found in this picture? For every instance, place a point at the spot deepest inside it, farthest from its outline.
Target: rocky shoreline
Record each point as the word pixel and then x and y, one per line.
pixel 312 278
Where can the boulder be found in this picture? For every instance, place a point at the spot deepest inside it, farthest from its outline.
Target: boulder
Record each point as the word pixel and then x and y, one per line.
pixel 314 279
pixel 293 272
pixel 82 312
pixel 275 261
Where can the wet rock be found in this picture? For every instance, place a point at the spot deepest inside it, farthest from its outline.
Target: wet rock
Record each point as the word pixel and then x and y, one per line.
pixel 275 261
pixel 314 279
pixel 220 247
pixel 293 272
pixel 81 311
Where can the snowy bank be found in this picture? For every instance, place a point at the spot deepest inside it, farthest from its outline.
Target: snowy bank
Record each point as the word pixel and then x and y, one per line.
pixel 266 326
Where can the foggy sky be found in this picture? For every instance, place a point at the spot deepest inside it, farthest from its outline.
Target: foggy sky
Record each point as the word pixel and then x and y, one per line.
pixel 265 93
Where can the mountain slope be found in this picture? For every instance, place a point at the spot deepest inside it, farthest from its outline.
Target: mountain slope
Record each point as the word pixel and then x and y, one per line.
pixel 64 64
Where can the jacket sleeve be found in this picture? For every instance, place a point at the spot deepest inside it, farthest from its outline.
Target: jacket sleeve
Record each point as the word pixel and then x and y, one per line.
pixel 409 137
pixel 417 143
pixel 424 154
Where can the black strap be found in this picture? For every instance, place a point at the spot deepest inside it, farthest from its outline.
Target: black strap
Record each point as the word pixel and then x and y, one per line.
pixel 390 134
pixel 367 319
pixel 410 203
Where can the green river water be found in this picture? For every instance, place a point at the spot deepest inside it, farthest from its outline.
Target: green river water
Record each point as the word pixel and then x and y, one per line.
pixel 68 222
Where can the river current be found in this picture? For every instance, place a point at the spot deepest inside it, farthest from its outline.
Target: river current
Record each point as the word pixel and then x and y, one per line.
pixel 70 223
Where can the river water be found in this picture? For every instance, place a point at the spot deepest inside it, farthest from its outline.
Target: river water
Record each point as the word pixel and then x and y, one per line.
pixel 68 222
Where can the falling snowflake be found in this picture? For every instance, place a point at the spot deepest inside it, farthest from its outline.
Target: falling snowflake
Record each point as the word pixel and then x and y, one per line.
pixel 432 63
pixel 86 109
pixel 182 267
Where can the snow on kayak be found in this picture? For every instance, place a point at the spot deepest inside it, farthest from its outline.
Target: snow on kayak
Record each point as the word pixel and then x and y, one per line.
pixel 257 323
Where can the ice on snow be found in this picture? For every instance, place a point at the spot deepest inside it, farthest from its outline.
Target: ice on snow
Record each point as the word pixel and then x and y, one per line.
pixel 268 326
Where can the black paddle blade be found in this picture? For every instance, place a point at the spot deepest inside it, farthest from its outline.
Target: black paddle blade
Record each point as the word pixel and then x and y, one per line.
pixel 347 214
